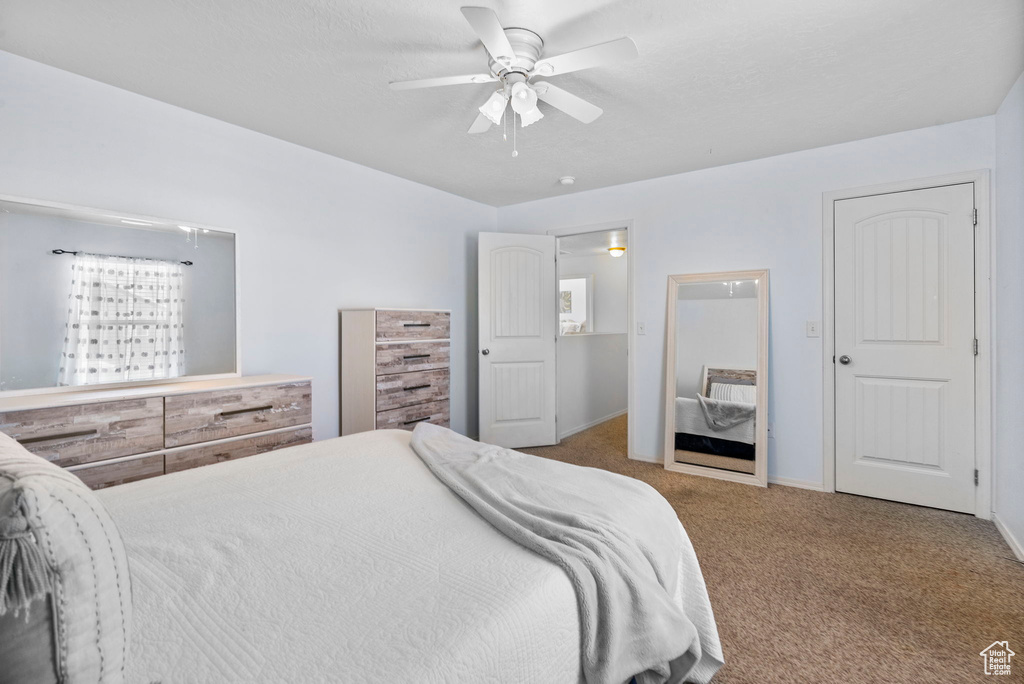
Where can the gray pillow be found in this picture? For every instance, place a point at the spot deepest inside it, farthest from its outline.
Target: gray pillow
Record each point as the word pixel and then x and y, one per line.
pixel 65 593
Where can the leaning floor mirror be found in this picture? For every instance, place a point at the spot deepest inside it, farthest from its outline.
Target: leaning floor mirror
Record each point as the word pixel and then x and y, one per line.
pixel 716 378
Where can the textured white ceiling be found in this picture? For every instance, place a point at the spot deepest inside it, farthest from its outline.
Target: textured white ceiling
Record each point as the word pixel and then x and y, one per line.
pixel 717 81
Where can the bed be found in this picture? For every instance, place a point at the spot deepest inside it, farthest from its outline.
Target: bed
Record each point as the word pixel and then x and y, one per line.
pixel 692 431
pixel 342 560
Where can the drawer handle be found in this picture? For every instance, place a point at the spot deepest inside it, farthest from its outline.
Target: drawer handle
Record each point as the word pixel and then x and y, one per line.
pixel 416 325
pixel 50 438
pixel 236 412
pixel 415 387
pixel 416 356
pixel 418 420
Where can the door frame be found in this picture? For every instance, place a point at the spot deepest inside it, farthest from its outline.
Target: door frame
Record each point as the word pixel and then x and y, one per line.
pixel 983 310
pixel 630 226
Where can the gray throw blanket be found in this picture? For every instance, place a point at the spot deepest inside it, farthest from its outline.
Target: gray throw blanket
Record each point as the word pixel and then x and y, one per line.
pixel 617 539
pixel 722 415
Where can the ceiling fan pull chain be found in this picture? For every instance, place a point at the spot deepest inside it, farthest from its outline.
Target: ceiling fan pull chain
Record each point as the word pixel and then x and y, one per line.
pixel 515 152
pixel 504 124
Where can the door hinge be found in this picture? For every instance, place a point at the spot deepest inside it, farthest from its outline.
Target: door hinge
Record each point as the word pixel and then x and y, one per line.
pixel 833 359
pixel 975 217
pixel 975 346
pixel 975 477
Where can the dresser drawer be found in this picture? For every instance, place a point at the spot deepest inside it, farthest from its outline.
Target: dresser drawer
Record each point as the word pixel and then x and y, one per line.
pixel 407 418
pixel 129 470
pixel 408 389
pixel 413 325
pixel 206 416
pixel 406 357
pixel 194 457
pixel 80 433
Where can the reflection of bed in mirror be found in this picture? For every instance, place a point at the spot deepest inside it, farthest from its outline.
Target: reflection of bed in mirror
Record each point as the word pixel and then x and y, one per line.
pixel 718 428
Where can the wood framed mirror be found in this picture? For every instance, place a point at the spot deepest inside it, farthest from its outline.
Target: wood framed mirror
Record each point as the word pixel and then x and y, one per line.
pixel 716 376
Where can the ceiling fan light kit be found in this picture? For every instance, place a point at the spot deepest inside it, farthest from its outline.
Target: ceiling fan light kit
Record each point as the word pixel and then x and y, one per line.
pixel 494 108
pixel 515 59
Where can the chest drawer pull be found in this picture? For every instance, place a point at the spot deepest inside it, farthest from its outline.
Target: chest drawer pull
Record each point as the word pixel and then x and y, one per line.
pixel 418 420
pixel 416 356
pixel 415 387
pixel 50 438
pixel 416 325
pixel 225 414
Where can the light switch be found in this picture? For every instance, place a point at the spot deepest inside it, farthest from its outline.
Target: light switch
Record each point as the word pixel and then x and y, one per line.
pixel 814 328
pixel 641 328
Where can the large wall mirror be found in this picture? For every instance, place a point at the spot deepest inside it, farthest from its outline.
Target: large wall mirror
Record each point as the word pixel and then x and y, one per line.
pixel 716 379
pixel 91 297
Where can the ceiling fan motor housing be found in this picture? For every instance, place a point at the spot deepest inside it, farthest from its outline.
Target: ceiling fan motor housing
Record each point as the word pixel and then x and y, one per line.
pixel 527 45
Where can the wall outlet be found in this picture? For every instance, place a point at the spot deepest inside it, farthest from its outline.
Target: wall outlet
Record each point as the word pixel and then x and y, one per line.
pixel 814 328
pixel 641 328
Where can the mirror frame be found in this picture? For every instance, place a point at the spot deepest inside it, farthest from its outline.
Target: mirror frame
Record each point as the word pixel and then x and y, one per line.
pixel 760 475
pixel 237 372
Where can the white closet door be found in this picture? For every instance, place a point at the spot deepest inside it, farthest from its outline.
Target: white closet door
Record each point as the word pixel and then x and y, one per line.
pixel 904 330
pixel 518 328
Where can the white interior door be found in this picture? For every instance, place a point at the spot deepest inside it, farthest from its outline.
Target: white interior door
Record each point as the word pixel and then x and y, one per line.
pixel 904 345
pixel 518 330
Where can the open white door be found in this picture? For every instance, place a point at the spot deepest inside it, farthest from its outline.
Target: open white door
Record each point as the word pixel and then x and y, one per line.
pixel 518 330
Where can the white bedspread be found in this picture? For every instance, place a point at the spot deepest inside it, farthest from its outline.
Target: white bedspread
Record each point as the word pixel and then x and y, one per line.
pixel 690 418
pixel 345 560
pixel 616 538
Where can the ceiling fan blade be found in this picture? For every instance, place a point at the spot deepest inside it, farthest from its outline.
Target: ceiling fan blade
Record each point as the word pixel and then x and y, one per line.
pixel 596 55
pixel 442 81
pixel 487 27
pixel 573 105
pixel 481 124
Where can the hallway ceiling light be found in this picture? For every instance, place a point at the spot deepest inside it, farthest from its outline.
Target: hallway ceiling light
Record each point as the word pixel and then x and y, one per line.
pixel 616 252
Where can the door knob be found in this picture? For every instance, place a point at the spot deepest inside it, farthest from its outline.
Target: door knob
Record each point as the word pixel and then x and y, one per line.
pixel 485 352
pixel 845 360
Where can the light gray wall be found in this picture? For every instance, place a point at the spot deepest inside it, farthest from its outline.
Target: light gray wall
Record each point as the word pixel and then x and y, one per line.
pixel 315 233
pixel 592 379
pixel 1009 292
pixel 719 333
pixel 610 287
pixel 759 214
pixel 34 288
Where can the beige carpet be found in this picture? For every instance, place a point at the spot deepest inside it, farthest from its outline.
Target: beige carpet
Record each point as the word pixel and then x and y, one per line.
pixel 813 587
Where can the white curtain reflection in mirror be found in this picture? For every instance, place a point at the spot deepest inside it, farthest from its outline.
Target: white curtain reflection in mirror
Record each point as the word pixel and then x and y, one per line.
pixel 125 321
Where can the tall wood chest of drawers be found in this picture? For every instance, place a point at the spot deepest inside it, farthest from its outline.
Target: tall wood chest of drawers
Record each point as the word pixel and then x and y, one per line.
pixel 112 436
pixel 395 368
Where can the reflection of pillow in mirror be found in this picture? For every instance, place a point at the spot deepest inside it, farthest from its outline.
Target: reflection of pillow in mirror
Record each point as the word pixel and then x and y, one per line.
pixel 743 393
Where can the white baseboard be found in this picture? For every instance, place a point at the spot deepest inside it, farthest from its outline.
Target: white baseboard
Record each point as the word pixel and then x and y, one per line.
pixel 591 424
pixel 1014 544
pixel 799 484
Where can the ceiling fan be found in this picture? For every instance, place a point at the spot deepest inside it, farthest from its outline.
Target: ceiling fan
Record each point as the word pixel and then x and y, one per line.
pixel 515 61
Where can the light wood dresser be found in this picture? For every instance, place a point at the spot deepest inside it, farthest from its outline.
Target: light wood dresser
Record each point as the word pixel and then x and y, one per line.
pixel 112 436
pixel 395 367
